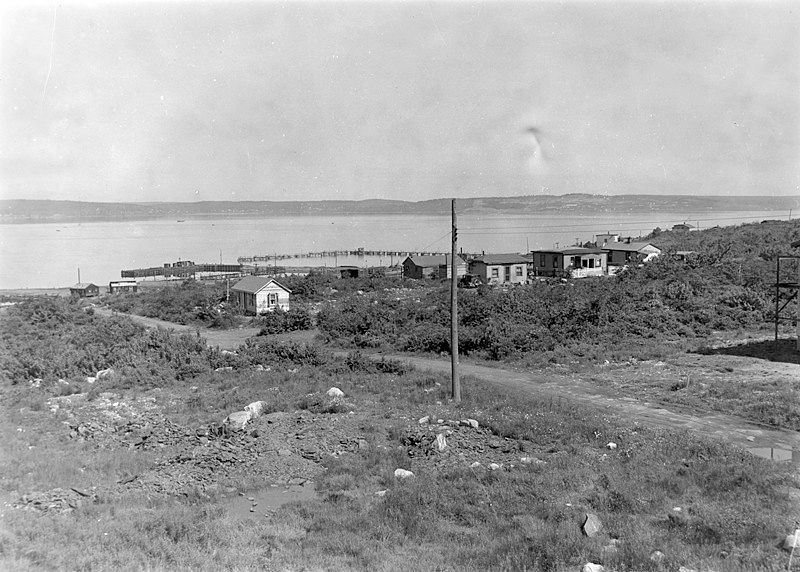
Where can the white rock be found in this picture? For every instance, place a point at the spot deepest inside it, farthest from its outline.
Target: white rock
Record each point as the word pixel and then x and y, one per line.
pixel 657 557
pixel 611 446
pixel 103 373
pixel 441 442
pixel 475 465
pixel 473 423
pixel 792 540
pixel 591 567
pixel 256 409
pixel 685 569
pixel 381 493
pixel 403 474
pixel 591 525
pixel 226 368
pixel 35 382
pixel 237 420
pixel 494 466
pixel 424 420
pixel 90 379
pixel 335 392
pixel 259 367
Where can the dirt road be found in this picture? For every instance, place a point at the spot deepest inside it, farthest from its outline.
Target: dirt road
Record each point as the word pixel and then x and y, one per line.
pixel 764 441
pixel 223 339
pixel 779 444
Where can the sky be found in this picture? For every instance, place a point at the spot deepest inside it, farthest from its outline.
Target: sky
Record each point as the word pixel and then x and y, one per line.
pixel 186 101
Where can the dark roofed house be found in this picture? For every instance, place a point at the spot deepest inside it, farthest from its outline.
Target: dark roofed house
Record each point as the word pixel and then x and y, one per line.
pixel 682 227
pixel 432 266
pixel 259 294
pixel 500 268
pixel 84 290
pixel 574 262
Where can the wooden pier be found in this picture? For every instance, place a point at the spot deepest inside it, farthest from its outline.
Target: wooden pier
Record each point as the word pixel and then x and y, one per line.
pixel 333 253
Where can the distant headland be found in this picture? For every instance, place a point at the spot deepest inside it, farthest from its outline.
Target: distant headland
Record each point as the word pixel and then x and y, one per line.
pixel 42 211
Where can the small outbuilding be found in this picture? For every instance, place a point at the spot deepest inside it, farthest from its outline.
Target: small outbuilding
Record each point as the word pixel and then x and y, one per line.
pixel 122 286
pixel 683 227
pixel 500 268
pixel 621 253
pixel 84 290
pixel 259 294
pixel 432 266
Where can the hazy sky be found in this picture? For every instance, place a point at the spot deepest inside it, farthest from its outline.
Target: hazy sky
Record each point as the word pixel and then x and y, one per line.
pixel 144 101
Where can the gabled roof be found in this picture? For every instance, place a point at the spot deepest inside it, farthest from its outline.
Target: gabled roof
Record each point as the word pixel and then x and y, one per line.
pixel 629 246
pixel 437 260
pixel 82 286
pixel 571 250
pixel 502 259
pixel 255 284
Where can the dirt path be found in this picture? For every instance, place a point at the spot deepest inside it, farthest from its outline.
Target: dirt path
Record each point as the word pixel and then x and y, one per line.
pixel 223 339
pixel 779 444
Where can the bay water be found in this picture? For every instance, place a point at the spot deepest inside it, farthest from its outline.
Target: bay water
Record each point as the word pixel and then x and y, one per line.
pixel 48 255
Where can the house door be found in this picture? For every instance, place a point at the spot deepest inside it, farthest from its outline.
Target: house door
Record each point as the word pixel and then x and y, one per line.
pixel 508 274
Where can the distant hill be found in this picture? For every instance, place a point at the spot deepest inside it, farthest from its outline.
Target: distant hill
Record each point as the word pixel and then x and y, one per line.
pixel 22 211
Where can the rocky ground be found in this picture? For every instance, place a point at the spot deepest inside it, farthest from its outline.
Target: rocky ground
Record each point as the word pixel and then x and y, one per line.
pixel 279 447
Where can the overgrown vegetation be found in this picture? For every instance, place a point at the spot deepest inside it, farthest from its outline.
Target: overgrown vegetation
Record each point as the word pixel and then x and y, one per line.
pixel 188 302
pixel 632 315
pixel 450 516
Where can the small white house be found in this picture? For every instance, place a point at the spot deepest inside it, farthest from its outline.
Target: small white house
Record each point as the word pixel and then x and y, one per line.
pixel 259 294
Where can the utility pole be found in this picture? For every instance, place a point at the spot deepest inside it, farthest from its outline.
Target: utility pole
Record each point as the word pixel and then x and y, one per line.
pixel 455 381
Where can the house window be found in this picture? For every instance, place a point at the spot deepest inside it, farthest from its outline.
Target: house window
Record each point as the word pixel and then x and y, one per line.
pixel 495 273
pixel 272 299
pixel 542 260
pixel 591 263
pixel 518 270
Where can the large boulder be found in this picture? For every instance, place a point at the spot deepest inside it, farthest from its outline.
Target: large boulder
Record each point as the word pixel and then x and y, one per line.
pixel 335 392
pixel 256 409
pixel 237 420
pixel 104 373
pixel 591 525
pixel 792 541
pixel 403 474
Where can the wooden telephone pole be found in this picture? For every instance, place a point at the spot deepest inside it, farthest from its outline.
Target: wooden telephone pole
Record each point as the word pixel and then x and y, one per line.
pixel 455 381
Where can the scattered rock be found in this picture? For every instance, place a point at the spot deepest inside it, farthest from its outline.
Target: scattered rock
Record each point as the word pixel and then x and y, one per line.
pixel 656 557
pixel 104 373
pixel 256 409
pixel 422 421
pixel 792 541
pixel 90 379
pixel 591 567
pixel 685 569
pixel 441 442
pixel 402 474
pixel 237 420
pixel 473 423
pixel 591 525
pixel 611 446
pixel 35 382
pixel 226 368
pixel 751 438
pixel 531 461
pixel 335 392
pixel 494 466
pixel 475 465
pixel 381 493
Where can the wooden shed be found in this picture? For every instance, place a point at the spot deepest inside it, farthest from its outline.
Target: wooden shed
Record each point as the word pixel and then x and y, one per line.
pixel 259 294
pixel 84 290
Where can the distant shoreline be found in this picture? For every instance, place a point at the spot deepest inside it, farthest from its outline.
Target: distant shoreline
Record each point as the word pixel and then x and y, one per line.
pixel 23 211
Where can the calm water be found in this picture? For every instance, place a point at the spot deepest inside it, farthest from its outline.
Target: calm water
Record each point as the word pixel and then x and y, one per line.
pixel 48 255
